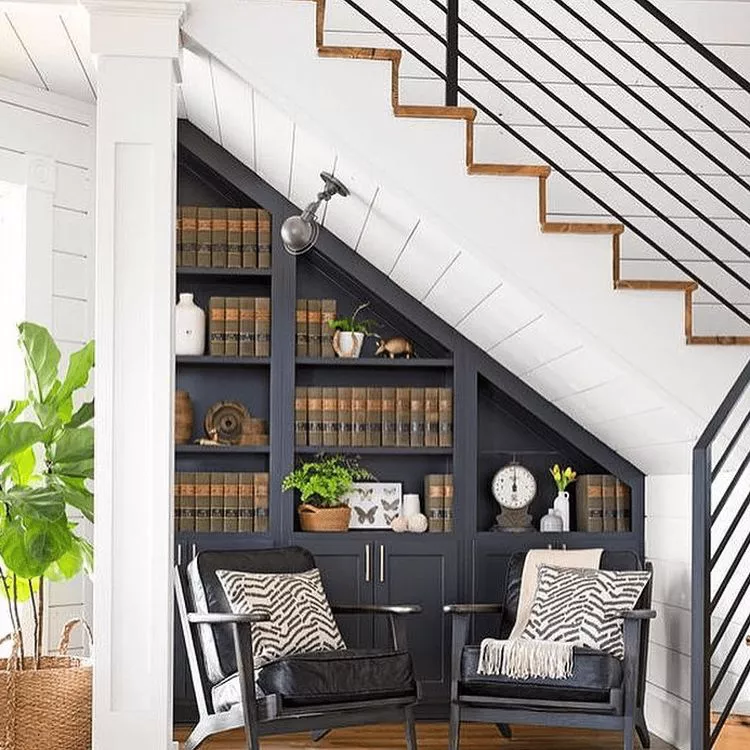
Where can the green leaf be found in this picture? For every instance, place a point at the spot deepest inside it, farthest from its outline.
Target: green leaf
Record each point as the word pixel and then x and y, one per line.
pixel 46 543
pixel 23 589
pixel 16 437
pixel 42 358
pixel 22 466
pixel 84 414
pixel 79 368
pixel 29 504
pixel 76 495
pixel 14 411
pixel 69 564
pixel 72 454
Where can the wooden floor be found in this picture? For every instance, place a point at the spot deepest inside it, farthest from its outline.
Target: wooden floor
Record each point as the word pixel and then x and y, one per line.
pixel 435 737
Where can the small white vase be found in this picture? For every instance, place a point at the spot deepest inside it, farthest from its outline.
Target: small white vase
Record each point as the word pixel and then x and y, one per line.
pixel 347 344
pixel 551 522
pixel 411 505
pixel 562 508
pixel 190 327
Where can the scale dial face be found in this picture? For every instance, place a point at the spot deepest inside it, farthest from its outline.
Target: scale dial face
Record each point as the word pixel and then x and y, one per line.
pixel 514 487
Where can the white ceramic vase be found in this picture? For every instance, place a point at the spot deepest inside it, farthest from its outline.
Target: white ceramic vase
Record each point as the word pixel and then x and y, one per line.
pixel 411 505
pixel 347 344
pixel 561 506
pixel 190 327
pixel 551 522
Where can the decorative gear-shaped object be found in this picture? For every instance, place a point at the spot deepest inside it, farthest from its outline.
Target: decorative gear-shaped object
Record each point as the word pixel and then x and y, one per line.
pixel 225 421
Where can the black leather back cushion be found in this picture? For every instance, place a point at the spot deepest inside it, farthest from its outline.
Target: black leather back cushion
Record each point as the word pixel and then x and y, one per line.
pixel 208 595
pixel 624 560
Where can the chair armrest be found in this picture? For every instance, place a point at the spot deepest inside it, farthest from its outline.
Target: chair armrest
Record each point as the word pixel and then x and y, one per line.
pixel 216 618
pixel 376 609
pixel 638 614
pixel 472 609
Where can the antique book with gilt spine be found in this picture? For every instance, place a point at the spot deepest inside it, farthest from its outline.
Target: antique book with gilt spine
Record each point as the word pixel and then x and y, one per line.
pixel 234 238
pixel 246 503
pixel 203 251
pixel 330 416
pixel 189 222
pixel 217 501
pixel 249 237
pixel 219 237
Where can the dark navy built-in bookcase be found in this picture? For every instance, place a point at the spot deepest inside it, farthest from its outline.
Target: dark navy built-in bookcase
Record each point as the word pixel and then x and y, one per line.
pixel 496 418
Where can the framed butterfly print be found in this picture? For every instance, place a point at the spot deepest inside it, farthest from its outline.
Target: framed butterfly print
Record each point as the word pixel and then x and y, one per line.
pixel 374 504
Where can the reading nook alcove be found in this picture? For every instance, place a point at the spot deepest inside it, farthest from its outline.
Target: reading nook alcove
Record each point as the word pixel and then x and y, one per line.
pixel 496 420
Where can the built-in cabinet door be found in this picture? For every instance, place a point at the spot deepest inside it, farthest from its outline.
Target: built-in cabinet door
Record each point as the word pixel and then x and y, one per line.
pixel 412 569
pixel 347 567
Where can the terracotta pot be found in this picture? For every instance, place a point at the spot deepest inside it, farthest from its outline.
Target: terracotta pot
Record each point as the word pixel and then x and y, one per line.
pixel 183 417
pixel 312 518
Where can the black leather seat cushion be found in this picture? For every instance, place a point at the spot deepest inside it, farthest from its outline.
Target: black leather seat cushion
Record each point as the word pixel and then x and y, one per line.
pixel 328 677
pixel 594 675
pixel 208 595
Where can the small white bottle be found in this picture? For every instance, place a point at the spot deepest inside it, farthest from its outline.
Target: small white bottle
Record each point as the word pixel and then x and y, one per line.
pixel 190 327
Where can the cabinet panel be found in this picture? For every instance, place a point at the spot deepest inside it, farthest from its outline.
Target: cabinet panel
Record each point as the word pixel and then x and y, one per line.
pixel 347 568
pixel 420 570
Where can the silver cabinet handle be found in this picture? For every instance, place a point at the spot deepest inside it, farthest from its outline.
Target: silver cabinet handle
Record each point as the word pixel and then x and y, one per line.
pixel 382 563
pixel 179 555
pixel 367 563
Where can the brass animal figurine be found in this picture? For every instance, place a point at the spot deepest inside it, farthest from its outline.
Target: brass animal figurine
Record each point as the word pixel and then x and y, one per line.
pixel 396 347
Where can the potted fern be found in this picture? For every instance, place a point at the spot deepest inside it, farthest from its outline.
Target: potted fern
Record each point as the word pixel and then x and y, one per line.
pixel 321 483
pixel 349 333
pixel 46 461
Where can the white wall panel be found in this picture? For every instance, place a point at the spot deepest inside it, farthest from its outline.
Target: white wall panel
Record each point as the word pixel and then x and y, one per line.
pixel 234 105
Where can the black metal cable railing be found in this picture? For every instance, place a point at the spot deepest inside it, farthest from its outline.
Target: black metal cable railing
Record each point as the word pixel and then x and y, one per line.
pixel 731 278
pixel 713 464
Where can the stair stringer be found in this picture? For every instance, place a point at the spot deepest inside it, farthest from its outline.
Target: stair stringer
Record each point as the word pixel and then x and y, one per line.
pixel 272 46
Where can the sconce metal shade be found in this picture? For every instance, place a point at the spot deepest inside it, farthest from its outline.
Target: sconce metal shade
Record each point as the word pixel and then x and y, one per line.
pixel 300 233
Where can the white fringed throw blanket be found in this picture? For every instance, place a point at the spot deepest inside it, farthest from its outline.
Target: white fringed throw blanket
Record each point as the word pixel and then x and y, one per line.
pixel 521 658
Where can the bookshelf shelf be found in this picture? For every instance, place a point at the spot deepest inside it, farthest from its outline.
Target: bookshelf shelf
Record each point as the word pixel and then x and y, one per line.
pixel 373 450
pixel 374 362
pixel 207 360
pixel 224 273
pixel 205 450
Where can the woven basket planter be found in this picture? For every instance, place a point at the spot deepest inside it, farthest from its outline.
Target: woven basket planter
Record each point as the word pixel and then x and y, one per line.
pixel 312 518
pixel 48 708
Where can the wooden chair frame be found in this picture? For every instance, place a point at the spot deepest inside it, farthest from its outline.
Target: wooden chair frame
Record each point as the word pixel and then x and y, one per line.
pixel 267 715
pixel 623 711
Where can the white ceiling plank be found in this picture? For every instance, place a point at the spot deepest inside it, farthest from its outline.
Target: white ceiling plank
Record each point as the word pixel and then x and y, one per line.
pixel 234 105
pixel 198 90
pixel 274 136
pixel 543 340
pixel 425 257
pixel 71 233
pixel 47 42
pixel 388 227
pixel 76 23
pixel 503 313
pixel 70 319
pixel 464 285
pixel 651 427
pixel 73 188
pixel 346 218
pixel 14 61
pixel 311 157
pixel 69 276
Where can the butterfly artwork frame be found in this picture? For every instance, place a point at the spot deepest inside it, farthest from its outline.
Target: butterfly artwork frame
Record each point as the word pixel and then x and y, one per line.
pixel 374 504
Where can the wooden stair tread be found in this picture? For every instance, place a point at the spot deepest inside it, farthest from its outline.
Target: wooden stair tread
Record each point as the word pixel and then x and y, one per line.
pixel 360 53
pixel 512 170
pixel 441 113
pixel 657 286
pixel 719 340
pixel 575 227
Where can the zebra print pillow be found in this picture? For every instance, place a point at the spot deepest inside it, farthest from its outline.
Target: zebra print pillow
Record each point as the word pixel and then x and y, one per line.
pixel 301 618
pixel 579 606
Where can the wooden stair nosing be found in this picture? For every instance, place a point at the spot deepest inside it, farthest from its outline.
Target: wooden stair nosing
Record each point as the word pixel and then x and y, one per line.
pixel 719 340
pixel 434 111
pixel 360 53
pixel 510 170
pixel 575 227
pixel 655 285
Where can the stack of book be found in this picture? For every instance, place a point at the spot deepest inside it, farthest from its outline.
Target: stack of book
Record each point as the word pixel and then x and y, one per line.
pixel 438 500
pixel 603 503
pixel 223 237
pixel 343 416
pixel 314 336
pixel 219 501
pixel 239 326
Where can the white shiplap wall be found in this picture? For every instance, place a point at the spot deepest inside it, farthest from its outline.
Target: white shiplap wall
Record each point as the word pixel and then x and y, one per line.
pixel 716 23
pixel 61 130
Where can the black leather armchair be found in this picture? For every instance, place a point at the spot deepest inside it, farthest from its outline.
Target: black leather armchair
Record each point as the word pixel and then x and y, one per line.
pixel 313 692
pixel 602 693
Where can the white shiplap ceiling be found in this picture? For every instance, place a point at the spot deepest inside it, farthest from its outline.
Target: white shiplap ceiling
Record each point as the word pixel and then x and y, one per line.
pixel 47 48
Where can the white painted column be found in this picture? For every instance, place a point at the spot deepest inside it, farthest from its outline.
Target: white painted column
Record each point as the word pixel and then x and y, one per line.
pixel 136 46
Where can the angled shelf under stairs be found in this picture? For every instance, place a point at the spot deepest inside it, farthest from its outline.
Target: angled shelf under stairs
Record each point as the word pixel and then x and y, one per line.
pixel 540 172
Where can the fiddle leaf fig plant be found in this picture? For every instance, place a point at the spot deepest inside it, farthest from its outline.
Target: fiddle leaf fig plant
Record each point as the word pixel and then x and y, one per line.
pixel 46 463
